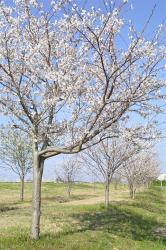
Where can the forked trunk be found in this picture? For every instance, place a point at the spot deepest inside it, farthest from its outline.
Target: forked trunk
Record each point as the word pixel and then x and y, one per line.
pixel 22 188
pixel 36 199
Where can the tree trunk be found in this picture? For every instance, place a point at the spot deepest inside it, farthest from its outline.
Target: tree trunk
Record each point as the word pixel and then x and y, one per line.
pixel 107 193
pixel 68 190
pixel 94 186
pixel 132 191
pixel 36 199
pixel 115 184
pixel 22 188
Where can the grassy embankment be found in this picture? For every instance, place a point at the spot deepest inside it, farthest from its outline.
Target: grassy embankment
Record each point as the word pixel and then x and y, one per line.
pixel 84 225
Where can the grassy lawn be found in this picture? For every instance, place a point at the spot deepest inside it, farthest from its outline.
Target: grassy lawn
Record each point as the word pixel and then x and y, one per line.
pixel 73 225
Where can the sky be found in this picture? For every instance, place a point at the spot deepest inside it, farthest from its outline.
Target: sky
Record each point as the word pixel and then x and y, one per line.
pixel 139 15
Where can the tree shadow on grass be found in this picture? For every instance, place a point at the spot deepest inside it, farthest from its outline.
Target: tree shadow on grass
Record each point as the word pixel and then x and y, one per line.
pixel 121 219
pixel 55 198
pixel 63 199
pixel 156 209
pixel 124 219
pixel 127 219
pixel 151 202
pixel 4 208
pixel 149 197
pixel 125 224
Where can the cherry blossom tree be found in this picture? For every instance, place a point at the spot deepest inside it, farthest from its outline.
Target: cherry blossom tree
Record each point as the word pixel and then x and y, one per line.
pixel 16 154
pixel 65 80
pixel 67 172
pixel 116 180
pixel 140 170
pixel 106 158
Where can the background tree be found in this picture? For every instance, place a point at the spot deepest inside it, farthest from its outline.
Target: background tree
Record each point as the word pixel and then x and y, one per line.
pixel 16 154
pixel 116 180
pixel 65 80
pixel 106 158
pixel 140 170
pixel 67 172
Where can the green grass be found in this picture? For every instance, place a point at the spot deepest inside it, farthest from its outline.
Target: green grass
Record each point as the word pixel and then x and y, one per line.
pixel 158 183
pixel 126 224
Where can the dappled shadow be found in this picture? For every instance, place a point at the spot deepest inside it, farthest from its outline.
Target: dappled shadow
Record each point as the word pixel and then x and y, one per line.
pixel 118 220
pixel 82 197
pixel 150 201
pixel 155 196
pixel 126 224
pixel 149 208
pixel 4 209
pixel 55 198
pixel 63 199
pixel 123 219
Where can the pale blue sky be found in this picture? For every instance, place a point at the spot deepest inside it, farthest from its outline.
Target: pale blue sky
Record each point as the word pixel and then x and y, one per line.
pixel 139 15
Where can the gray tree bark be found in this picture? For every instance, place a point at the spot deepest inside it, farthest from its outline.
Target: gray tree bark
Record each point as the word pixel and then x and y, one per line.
pixel 68 190
pixel 132 191
pixel 22 188
pixel 107 190
pixel 94 186
pixel 38 165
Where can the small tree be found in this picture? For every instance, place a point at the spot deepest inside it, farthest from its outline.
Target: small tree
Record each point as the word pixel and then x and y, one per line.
pixel 116 180
pixel 16 154
pixel 140 170
pixel 106 158
pixel 68 171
